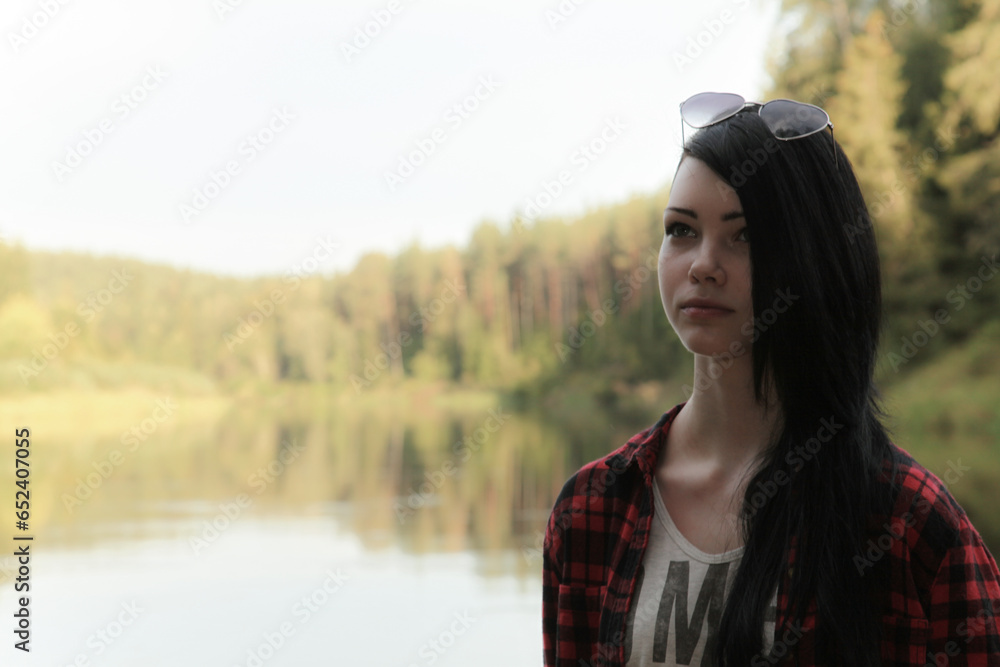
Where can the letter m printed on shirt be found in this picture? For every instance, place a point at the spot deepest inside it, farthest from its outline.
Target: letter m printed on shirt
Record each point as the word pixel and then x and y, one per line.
pixel 674 601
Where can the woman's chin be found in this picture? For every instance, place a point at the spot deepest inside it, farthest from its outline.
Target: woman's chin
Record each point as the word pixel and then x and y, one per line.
pixel 716 346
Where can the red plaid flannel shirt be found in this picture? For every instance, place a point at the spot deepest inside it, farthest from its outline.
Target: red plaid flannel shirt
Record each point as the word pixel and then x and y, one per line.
pixel 941 609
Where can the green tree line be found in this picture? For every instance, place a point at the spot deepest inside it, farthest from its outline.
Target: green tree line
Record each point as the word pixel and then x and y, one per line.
pixel 523 307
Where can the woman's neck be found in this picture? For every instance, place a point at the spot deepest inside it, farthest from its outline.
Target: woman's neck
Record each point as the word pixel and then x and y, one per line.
pixel 721 425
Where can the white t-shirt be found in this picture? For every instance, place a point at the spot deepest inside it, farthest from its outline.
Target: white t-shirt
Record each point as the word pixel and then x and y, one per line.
pixel 681 592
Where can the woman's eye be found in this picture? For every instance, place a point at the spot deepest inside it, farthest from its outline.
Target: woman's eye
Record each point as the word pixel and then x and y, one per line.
pixel 744 235
pixel 677 229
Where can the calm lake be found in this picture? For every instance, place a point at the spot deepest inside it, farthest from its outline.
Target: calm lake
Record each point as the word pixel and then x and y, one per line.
pixel 295 535
pixel 296 530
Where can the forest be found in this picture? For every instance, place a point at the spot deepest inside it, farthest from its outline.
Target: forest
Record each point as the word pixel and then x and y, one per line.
pixel 527 306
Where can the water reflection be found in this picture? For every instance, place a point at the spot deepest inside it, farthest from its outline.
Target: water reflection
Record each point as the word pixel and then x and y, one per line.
pixel 228 534
pixel 446 480
pixel 397 520
pixel 280 591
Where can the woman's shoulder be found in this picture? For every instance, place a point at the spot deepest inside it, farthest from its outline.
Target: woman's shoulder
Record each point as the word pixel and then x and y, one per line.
pixel 604 474
pixel 922 492
pixel 939 572
pixel 603 483
pixel 925 512
pixel 600 503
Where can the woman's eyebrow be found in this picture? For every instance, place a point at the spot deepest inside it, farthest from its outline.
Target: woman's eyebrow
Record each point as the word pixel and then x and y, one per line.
pixel 685 211
pixel 731 215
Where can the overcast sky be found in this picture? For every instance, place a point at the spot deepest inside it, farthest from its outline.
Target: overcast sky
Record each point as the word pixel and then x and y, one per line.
pixel 230 135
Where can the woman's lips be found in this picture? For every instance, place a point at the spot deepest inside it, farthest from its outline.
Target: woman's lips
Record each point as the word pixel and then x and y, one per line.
pixel 705 312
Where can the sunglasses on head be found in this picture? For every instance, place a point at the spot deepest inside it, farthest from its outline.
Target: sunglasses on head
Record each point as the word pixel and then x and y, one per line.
pixel 787 119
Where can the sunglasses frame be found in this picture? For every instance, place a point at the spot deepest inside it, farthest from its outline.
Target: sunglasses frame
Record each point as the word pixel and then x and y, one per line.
pixel 760 109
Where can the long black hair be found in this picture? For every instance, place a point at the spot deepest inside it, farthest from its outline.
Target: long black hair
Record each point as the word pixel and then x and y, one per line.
pixel 811 240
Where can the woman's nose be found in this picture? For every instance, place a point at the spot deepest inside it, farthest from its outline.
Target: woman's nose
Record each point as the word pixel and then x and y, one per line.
pixel 705 264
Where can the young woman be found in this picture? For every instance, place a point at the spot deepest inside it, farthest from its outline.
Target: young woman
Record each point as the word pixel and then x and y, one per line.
pixel 768 519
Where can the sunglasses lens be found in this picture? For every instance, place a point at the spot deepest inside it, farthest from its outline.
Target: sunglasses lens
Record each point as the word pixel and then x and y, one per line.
pixel 788 119
pixel 703 109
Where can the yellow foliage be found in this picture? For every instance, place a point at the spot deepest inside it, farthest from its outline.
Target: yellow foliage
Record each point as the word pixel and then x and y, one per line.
pixel 24 326
pixel 972 79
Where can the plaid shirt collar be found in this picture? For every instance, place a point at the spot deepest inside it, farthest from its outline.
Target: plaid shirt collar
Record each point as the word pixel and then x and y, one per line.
pixel 645 450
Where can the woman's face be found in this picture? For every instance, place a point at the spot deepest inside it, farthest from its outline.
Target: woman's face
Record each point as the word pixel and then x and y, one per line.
pixel 704 266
